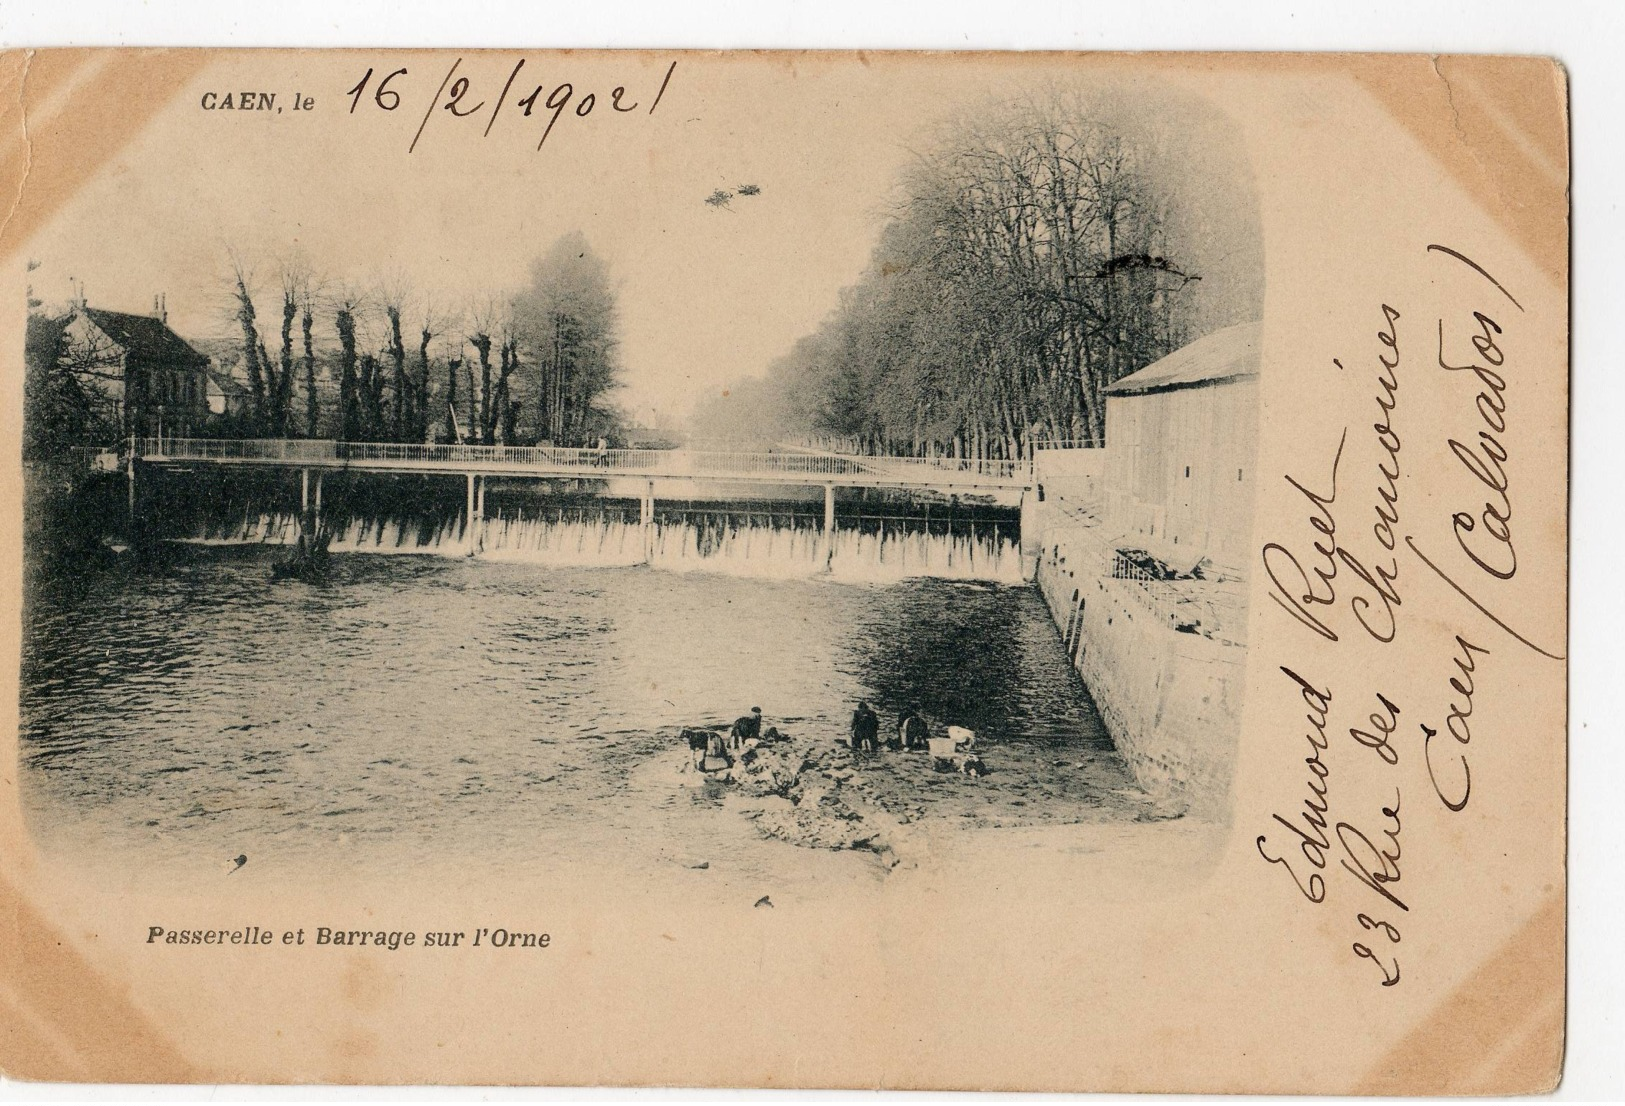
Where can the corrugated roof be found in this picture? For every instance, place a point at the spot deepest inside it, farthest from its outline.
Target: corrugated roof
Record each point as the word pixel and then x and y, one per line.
pixel 1228 354
pixel 144 337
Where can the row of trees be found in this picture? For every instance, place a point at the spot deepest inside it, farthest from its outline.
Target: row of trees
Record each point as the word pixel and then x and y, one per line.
pixel 1029 263
pixel 303 357
pixel 534 365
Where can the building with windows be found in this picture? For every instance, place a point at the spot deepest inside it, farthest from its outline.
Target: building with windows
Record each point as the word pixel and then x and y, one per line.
pixel 150 378
pixel 1180 438
pixel 1144 555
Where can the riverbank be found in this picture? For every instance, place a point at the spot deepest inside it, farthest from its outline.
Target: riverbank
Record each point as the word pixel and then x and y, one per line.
pixel 1164 659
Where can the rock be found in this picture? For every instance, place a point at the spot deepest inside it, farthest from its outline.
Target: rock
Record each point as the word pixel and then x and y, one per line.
pixel 811 797
pixel 773 771
pixel 701 866
pixel 789 794
pixel 825 823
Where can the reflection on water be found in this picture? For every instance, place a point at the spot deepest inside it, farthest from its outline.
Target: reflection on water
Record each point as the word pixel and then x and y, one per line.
pixel 482 708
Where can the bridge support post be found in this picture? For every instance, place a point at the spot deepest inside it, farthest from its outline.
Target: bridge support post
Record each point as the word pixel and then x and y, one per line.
pixel 468 517
pixel 304 502
pixel 318 495
pixel 479 513
pixel 1030 537
pixel 829 525
pixel 646 515
pixel 131 468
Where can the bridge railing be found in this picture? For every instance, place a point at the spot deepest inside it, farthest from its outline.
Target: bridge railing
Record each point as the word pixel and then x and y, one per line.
pixel 631 462
pixel 223 449
pixel 834 464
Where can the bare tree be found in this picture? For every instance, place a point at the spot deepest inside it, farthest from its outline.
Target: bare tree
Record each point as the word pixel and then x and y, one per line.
pixel 252 345
pixel 1027 266
pixel 393 294
pixel 307 324
pixel 508 408
pixel 75 392
pixel 566 315
pixel 294 277
pixel 420 385
pixel 491 323
pixel 347 303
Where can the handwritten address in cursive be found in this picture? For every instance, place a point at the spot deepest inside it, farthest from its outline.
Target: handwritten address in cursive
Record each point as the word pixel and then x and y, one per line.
pixel 1334 577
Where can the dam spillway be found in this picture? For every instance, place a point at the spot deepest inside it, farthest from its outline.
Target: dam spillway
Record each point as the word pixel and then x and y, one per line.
pixel 760 531
pixel 858 535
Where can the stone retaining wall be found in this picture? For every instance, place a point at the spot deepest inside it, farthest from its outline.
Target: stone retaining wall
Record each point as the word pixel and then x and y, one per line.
pixel 1171 700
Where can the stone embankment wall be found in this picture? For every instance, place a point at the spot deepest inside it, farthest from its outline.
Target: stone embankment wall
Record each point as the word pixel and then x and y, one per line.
pixel 1170 697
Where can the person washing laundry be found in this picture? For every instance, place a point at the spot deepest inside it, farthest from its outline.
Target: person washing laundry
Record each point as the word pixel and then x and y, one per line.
pixel 747 727
pixel 865 728
pixel 912 731
pixel 699 743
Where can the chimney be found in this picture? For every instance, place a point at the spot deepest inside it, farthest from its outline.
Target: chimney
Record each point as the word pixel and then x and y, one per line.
pixel 76 293
pixel 160 307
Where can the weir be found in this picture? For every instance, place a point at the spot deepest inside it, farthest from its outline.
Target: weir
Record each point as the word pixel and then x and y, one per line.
pixel 871 535
pixel 654 477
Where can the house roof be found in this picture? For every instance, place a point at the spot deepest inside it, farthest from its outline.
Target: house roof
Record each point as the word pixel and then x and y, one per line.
pixel 144 337
pixel 1228 354
pixel 227 384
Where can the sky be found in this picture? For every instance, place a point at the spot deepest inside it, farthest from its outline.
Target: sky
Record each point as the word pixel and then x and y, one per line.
pixel 706 294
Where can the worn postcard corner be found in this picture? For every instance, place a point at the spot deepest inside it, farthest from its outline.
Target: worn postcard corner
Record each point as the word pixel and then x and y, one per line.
pixel 1036 572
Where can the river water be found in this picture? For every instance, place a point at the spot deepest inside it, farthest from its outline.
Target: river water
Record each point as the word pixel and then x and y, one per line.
pixel 186 709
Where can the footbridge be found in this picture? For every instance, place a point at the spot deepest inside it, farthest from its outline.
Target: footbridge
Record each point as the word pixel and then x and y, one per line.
pixel 476 463
pixel 797 467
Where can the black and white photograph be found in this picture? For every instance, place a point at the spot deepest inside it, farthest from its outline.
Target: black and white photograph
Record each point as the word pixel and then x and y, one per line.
pixel 873 505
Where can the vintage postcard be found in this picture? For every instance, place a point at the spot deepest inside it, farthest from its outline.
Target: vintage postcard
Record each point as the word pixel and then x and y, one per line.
pixel 953 571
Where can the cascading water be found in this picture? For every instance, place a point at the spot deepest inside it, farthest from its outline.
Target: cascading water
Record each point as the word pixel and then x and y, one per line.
pixel 756 541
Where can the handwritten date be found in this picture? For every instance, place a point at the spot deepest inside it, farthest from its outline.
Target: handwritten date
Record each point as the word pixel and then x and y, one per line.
pixel 463 96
